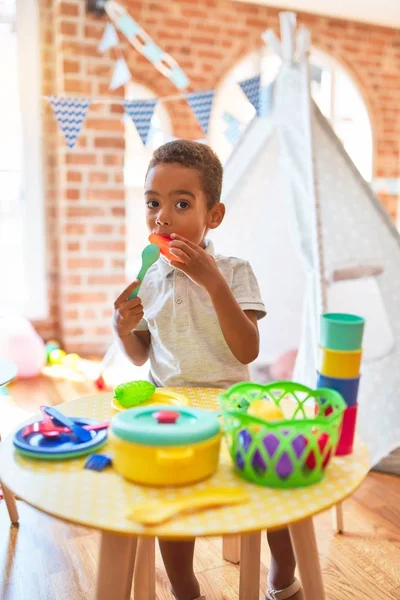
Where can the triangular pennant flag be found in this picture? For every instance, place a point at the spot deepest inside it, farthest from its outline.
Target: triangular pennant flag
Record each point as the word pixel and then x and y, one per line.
pixel 232 132
pixel 121 74
pixel 201 105
pixel 251 88
pixel 141 112
pixel 70 114
pixel 109 40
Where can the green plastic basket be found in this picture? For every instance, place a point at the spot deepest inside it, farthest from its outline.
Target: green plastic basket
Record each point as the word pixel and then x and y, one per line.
pixel 283 454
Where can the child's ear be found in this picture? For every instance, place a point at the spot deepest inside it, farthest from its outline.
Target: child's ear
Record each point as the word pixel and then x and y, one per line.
pixel 216 215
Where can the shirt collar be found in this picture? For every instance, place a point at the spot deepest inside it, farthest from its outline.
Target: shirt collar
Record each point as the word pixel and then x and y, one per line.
pixel 166 269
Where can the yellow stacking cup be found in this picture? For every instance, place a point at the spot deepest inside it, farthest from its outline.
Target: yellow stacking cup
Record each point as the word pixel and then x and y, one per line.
pixel 340 364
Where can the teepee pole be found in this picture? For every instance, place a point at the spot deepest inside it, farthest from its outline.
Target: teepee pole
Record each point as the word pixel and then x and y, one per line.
pixel 303 44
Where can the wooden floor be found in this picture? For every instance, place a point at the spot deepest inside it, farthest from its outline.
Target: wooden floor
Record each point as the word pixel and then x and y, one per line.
pixel 45 559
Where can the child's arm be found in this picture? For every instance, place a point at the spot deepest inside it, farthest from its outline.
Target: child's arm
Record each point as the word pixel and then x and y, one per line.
pixel 127 315
pixel 135 346
pixel 239 327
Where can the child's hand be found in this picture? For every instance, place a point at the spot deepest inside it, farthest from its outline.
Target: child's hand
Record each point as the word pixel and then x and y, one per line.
pixel 199 266
pixel 127 313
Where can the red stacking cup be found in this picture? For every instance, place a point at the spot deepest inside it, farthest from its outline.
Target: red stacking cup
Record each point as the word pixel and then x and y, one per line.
pixel 346 440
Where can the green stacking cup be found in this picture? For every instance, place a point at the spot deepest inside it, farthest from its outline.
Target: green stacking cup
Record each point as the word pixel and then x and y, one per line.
pixel 342 331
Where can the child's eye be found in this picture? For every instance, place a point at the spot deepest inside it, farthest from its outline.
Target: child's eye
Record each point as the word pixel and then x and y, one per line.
pixel 182 204
pixel 152 203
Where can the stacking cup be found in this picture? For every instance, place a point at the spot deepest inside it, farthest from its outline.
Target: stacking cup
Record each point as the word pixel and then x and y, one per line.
pixel 342 331
pixel 348 388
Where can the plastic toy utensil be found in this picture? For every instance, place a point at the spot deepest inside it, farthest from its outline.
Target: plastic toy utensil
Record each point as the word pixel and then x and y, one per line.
pixel 149 256
pixel 82 434
pixel 163 242
pixel 51 430
pixel 153 513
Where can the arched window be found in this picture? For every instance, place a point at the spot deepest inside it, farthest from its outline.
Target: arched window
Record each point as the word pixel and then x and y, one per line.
pixel 137 157
pixel 332 88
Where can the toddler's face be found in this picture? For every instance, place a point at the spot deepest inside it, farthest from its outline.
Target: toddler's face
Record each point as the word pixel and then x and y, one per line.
pixel 176 202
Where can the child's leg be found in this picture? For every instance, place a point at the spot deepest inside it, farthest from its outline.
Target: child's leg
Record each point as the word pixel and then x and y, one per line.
pixel 283 562
pixel 178 561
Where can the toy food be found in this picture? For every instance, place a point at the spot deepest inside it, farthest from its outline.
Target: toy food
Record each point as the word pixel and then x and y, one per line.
pixel 163 242
pixel 265 410
pixel 132 393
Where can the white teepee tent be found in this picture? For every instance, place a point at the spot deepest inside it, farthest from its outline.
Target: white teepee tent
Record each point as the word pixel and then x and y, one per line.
pixel 317 238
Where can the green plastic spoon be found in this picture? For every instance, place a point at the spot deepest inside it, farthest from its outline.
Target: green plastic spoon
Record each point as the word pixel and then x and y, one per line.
pixel 149 256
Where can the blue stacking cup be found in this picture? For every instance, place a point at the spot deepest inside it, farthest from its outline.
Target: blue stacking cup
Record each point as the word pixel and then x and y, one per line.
pixel 348 388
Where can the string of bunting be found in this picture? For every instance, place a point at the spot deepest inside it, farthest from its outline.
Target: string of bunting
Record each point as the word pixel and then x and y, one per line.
pixel 71 112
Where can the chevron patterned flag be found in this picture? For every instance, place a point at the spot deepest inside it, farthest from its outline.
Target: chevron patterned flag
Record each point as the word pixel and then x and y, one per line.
pixel 70 114
pixel 141 112
pixel 201 105
pixel 251 88
pixel 232 132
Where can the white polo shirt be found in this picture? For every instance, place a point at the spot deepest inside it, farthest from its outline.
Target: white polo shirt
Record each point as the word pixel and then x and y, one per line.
pixel 187 344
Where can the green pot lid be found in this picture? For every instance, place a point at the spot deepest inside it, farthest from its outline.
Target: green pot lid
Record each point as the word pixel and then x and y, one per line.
pixel 161 425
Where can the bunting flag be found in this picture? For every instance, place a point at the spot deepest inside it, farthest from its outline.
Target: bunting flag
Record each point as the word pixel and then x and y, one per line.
pixel 109 40
pixel 201 105
pixel 70 114
pixel 251 88
pixel 144 44
pixel 233 130
pixel 141 112
pixel 121 74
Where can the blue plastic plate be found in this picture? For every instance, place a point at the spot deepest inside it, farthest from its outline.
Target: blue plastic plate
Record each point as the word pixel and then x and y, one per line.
pixel 63 446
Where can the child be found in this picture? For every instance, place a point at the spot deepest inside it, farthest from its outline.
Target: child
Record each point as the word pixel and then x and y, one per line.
pixel 196 319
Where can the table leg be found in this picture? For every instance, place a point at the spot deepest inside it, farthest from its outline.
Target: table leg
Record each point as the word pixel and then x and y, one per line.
pixel 11 504
pixel 306 552
pixel 249 585
pixel 231 548
pixel 337 518
pixel 115 570
pixel 145 570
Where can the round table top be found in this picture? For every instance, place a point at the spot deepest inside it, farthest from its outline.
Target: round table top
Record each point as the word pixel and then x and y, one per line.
pixel 101 500
pixel 8 371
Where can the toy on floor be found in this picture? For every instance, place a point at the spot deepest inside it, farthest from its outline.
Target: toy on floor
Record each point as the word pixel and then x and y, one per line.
pixel 163 242
pixel 22 345
pixel 284 453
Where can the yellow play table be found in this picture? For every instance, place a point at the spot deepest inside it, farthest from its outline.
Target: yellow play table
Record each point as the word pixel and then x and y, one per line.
pixel 69 492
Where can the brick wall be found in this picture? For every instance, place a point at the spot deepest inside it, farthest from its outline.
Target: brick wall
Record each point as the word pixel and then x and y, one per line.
pixel 84 189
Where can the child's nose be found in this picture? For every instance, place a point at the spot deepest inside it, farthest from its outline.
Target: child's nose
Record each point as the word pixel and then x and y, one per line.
pixel 163 217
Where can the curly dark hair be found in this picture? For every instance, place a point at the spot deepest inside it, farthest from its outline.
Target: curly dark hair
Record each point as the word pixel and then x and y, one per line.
pixel 194 156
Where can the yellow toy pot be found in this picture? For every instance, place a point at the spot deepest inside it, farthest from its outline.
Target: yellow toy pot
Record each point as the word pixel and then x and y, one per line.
pixel 165 446
pixel 340 364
